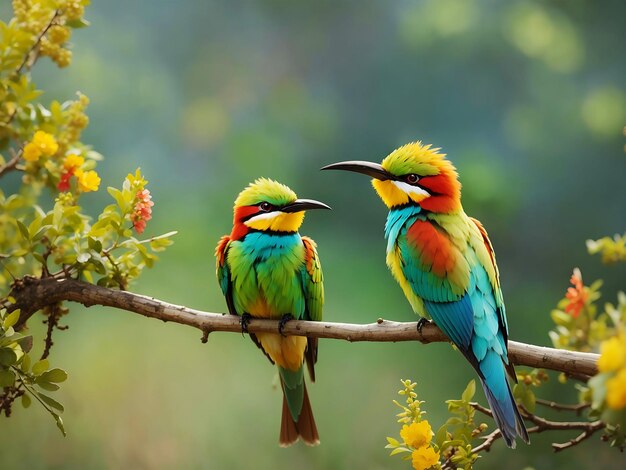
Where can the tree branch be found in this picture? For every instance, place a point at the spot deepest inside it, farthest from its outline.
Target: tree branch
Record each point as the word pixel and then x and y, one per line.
pixel 541 424
pixel 11 164
pixel 32 294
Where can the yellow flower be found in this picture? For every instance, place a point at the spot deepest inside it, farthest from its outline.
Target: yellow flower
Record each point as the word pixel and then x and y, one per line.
pixel 87 180
pixel 31 152
pixel 417 434
pixel 73 161
pixel 616 391
pixel 46 143
pixel 424 457
pixel 612 354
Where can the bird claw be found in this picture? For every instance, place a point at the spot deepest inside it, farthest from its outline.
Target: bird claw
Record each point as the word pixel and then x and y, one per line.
pixel 420 324
pixel 245 321
pixel 283 321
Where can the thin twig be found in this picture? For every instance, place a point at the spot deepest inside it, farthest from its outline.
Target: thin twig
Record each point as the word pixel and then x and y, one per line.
pixel 482 409
pixel 563 407
pixel 489 440
pixel 11 164
pixel 34 46
pixel 586 434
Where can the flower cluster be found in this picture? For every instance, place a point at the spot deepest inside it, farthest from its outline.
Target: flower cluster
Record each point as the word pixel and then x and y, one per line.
pixel 613 362
pixel 55 19
pixel 73 166
pixel 416 432
pixel 142 212
pixel 577 295
pixel 580 326
pixel 41 144
pixel 612 250
pixel 142 202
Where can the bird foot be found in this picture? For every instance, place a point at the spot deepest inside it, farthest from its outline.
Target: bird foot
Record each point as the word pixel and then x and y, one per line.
pixel 283 321
pixel 420 324
pixel 245 321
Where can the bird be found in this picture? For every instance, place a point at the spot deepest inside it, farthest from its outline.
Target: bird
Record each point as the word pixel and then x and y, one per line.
pixel 445 264
pixel 266 269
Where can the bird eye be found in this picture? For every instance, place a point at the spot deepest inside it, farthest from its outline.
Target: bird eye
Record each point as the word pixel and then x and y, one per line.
pixel 412 178
pixel 265 206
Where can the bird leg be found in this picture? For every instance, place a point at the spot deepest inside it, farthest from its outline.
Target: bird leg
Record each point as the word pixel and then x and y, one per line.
pixel 245 321
pixel 420 324
pixel 283 321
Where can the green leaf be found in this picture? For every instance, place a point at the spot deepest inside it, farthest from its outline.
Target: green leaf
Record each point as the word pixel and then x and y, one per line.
pixel 7 377
pixel 34 226
pixel 441 435
pixel 94 244
pixel 51 402
pixel 25 366
pixel 40 367
pixel 469 391
pixel 7 357
pixel 47 385
pixel 23 230
pixel 54 375
pixel 119 198
pixel 398 450
pixel 393 442
pixel 77 23
pixel 26 401
pixel 59 421
pixel 11 319
pixel 40 233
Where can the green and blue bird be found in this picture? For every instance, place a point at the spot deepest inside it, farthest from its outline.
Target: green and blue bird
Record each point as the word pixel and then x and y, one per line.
pixel 267 270
pixel 445 264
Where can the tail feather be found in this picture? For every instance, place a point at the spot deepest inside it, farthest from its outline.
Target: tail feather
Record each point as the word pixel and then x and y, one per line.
pixel 500 398
pixel 304 428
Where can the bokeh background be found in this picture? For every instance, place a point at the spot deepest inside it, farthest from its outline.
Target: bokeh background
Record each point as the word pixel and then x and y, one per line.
pixel 526 97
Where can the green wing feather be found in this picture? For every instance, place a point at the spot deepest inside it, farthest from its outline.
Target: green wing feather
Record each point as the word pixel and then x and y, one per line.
pixel 313 286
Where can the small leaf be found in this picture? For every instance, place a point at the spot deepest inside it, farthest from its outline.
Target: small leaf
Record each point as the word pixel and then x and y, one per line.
pixel 393 442
pixel 59 421
pixel 94 244
pixel 25 363
pixel 469 391
pixel 51 402
pixel 7 356
pixel 23 230
pixel 40 367
pixel 47 385
pixel 26 401
pixel 398 450
pixel 11 319
pixel 7 377
pixel 54 375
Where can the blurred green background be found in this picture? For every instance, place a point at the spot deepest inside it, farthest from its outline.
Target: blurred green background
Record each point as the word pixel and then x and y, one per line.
pixel 526 97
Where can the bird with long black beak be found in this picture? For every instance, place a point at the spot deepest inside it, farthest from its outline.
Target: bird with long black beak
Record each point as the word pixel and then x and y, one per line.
pixel 445 264
pixel 267 270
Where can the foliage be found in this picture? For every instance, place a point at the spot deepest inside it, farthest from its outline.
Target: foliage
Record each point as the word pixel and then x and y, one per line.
pixel 41 143
pixel 611 249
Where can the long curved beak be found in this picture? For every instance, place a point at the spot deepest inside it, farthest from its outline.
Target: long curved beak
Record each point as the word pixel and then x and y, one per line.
pixel 374 170
pixel 300 205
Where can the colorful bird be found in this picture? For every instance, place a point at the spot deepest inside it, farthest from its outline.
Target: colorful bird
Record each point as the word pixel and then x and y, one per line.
pixel 445 264
pixel 267 270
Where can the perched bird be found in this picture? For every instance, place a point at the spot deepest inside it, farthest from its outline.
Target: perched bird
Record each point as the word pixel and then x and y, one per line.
pixel 445 264
pixel 267 270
